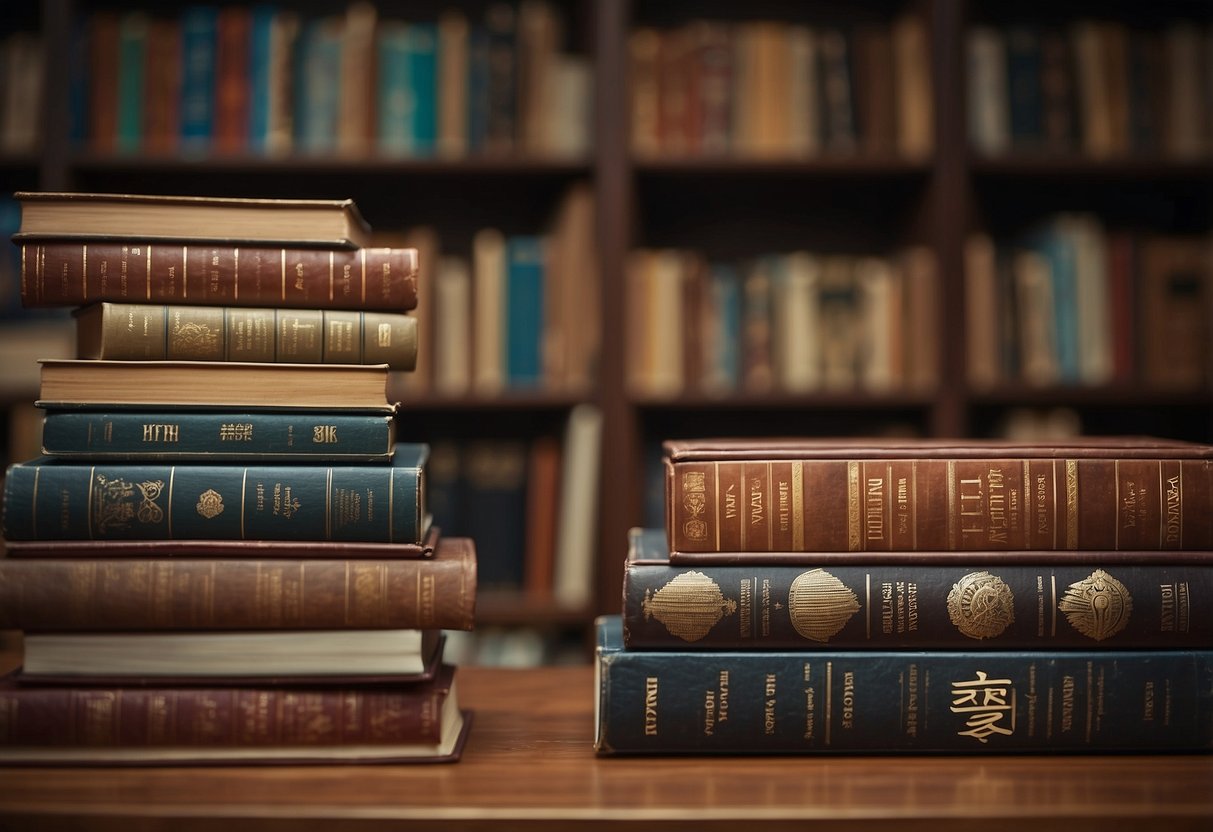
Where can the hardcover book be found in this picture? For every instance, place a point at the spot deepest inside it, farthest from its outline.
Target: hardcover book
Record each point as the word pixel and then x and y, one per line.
pixel 219 435
pixel 899 701
pixel 373 503
pixel 250 593
pixel 179 725
pixel 855 495
pixel 317 222
pixel 250 657
pixel 907 604
pixel 147 332
pixel 148 385
pixel 59 272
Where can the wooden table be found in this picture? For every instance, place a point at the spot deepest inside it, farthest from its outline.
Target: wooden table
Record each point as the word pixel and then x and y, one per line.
pixel 529 765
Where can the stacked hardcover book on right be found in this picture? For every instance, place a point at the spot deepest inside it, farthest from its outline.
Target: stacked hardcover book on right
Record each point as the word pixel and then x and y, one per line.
pixel 225 555
pixel 832 596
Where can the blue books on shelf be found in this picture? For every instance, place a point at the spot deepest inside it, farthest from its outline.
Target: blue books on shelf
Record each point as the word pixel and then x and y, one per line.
pixel 199 33
pixel 524 311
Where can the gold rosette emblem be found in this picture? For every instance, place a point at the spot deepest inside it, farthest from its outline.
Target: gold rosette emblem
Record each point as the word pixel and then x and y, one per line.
pixel 1097 606
pixel 981 605
pixel 210 504
pixel 689 606
pixel 820 605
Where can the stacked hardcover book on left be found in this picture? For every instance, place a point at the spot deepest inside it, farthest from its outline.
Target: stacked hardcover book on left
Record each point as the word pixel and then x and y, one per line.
pixel 225 553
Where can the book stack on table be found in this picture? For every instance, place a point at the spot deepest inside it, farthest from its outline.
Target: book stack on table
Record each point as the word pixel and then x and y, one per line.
pixel 823 596
pixel 225 554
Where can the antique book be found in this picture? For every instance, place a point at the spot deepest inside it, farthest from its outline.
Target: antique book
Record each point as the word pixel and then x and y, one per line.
pixel 153 332
pixel 397 656
pixel 252 724
pixel 138 269
pixel 219 435
pixel 965 603
pixel 890 701
pixel 145 385
pixel 857 495
pixel 373 503
pixel 221 549
pixel 250 593
pixel 315 222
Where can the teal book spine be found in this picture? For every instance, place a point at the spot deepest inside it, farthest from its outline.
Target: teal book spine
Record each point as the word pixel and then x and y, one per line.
pixel 524 311
pixel 393 96
pixel 167 436
pixel 259 77
pixel 132 49
pixel 317 74
pixel 199 31
pixel 882 701
pixel 421 47
pixel 969 605
pixel 52 500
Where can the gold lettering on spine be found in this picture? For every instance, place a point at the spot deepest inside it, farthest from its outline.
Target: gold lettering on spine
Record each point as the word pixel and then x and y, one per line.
pixel 1071 503
pixel 84 269
pixel 332 269
pixel 951 474
pixel 362 253
pixel 854 531
pixel 1027 502
pixel 829 699
pixel 716 501
pixel 770 520
pixel 1053 468
pixel 235 273
pixel 92 477
pixel 798 506
pixel 172 472
pixel 1053 604
pixel 147 281
pixel 243 480
pixel 283 261
pixel 328 504
pixel 185 272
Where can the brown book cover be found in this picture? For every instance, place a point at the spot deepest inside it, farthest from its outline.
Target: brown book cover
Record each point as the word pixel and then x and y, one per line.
pixel 221 549
pixel 542 506
pixel 875 89
pixel 304 222
pixel 1174 285
pixel 179 725
pixel 232 45
pixel 79 383
pixel 129 594
pixel 162 79
pixel 103 82
pixel 857 495
pixel 59 272
pixel 153 332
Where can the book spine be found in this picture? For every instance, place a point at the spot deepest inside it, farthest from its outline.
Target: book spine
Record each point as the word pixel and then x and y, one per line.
pixel 817 505
pixel 239 593
pixel 992 606
pixel 261 26
pixel 233 44
pixel 421 54
pixel 72 273
pixel 878 701
pixel 202 717
pixel 75 501
pixel 132 47
pixel 219 436
pixel 144 332
pixel 524 311
pixel 199 35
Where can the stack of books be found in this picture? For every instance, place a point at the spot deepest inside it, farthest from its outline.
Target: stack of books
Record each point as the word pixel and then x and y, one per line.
pixel 225 554
pixel 818 596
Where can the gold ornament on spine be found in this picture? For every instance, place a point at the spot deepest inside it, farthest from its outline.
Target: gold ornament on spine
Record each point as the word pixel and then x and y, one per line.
pixel 820 605
pixel 1098 606
pixel 689 606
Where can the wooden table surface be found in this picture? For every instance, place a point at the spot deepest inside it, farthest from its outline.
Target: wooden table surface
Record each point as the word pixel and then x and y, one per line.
pixel 529 765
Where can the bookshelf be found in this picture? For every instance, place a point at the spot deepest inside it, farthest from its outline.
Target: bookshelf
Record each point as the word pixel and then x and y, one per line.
pixel 730 206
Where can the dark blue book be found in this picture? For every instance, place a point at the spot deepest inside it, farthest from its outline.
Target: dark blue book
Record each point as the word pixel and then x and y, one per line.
pixel 1025 91
pixel 260 35
pixel 47 499
pixel 317 83
pixel 218 436
pixel 478 88
pixel 899 701
pixel 199 47
pixel 524 311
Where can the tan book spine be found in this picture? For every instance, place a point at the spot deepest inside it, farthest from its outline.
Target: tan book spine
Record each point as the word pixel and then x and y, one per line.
pixel 937 504
pixel 241 593
pixel 148 332
pixel 72 273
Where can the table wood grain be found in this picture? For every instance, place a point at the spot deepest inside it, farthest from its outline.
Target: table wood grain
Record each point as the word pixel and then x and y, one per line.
pixel 529 765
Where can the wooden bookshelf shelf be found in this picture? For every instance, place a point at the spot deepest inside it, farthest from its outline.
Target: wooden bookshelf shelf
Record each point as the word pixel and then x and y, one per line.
pixel 1094 396
pixel 848 167
pixel 530 765
pixel 843 400
pixel 1079 166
